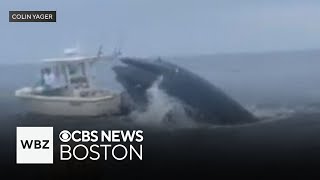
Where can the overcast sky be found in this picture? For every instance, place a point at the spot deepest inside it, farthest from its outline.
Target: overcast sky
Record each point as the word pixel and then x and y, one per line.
pixel 160 27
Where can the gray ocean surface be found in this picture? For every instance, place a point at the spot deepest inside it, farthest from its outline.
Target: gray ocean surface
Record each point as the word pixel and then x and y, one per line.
pixel 278 79
pixel 281 88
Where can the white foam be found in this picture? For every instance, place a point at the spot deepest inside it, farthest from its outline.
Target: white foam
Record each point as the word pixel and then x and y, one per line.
pixel 162 110
pixel 271 113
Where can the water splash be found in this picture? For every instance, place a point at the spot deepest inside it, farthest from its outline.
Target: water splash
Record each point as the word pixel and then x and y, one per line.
pixel 162 110
pixel 271 112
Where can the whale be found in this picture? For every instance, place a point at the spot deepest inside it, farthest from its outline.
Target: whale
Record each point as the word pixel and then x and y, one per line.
pixel 204 101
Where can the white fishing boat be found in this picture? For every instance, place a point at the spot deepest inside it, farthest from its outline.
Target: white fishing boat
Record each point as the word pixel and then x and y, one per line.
pixel 73 92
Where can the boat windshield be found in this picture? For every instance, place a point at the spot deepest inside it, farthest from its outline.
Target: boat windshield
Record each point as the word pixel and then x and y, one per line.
pixel 76 69
pixel 78 74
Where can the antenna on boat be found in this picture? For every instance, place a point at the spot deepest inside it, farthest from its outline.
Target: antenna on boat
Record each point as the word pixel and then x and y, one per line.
pixel 99 51
pixel 117 52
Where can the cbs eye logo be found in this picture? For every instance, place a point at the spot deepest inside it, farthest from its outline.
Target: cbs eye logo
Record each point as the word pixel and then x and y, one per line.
pixel 65 136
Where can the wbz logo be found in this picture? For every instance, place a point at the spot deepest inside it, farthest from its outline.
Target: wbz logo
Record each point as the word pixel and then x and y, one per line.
pixel 27 144
pixel 34 145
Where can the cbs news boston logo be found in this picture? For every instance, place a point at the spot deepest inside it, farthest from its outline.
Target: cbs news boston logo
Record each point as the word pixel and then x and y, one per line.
pixel 34 145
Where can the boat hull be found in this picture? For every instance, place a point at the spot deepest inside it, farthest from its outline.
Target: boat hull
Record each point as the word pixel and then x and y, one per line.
pixel 77 106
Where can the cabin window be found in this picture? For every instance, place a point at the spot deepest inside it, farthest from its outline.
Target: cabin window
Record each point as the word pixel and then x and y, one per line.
pixel 76 69
pixel 77 74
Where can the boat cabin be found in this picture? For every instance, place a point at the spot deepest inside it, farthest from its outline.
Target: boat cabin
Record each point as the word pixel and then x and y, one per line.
pixel 71 72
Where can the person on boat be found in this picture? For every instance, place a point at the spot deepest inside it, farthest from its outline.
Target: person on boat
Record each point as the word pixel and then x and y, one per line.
pixel 52 85
pixel 49 78
pixel 39 85
pixel 40 82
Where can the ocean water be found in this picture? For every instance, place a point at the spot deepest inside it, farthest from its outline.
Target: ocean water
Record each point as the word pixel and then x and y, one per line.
pixel 282 89
pixel 286 79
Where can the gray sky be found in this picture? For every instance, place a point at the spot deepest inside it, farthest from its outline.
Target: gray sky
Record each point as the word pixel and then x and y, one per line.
pixel 160 27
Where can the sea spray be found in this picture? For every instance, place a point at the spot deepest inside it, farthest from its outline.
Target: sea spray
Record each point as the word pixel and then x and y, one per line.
pixel 162 110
